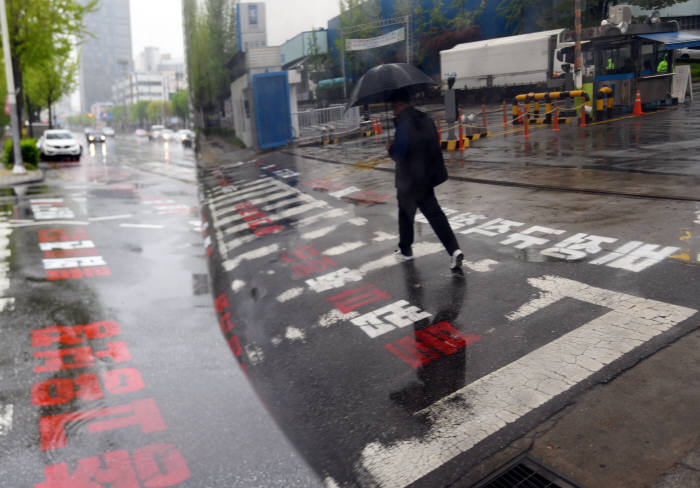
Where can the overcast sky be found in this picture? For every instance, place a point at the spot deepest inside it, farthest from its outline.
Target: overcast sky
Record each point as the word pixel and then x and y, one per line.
pixel 159 22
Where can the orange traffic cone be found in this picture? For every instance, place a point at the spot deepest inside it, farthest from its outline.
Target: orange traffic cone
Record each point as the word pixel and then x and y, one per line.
pixel 374 127
pixel 637 105
pixel 379 126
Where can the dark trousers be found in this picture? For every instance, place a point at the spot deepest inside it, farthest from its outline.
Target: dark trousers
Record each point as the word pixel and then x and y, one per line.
pixel 428 204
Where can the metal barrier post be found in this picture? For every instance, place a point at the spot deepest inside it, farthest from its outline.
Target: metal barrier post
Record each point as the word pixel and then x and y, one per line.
pixel 461 135
pixel 483 117
pixel 526 121
pixel 556 116
pixel 505 116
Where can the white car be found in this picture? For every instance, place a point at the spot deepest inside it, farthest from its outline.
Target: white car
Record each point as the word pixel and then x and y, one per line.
pixel 108 131
pixel 688 53
pixel 59 144
pixel 166 135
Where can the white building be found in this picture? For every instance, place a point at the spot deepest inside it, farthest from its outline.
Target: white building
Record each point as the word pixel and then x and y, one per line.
pixel 157 78
pixel 136 87
pixel 251 23
pixel 148 60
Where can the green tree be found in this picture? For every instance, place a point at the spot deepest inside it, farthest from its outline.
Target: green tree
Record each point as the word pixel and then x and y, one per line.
pixel 50 79
pixel 319 63
pixel 138 113
pixel 561 14
pixel 181 105
pixel 354 17
pixel 37 28
pixel 158 110
pixel 210 44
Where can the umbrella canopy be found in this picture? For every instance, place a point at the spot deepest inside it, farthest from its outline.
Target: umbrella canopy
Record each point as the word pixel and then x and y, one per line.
pixel 377 84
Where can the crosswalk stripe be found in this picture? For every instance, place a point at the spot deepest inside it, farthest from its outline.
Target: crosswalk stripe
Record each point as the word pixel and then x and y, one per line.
pixel 256 202
pixel 231 264
pixel 280 215
pixel 246 193
pixel 6 412
pixel 471 414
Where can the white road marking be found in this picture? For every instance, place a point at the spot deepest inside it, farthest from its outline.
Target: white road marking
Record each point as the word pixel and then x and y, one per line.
pixel 380 236
pixel 334 316
pixel 312 219
pixel 255 354
pixel 315 234
pixel 231 198
pixel 294 334
pixel 358 221
pixel 31 223
pixel 231 264
pixel 143 226
pixel 344 248
pixel 66 245
pixel 330 483
pixel 466 417
pixel 7 304
pixel 110 217
pixel 77 262
pixel 290 294
pixel 279 215
pixel 6 412
pixel 237 216
pixel 482 266
pixel 237 285
pixel 289 201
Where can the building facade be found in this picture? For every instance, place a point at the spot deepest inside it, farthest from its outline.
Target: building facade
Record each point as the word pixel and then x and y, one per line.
pixel 139 86
pixel 106 55
pixel 251 26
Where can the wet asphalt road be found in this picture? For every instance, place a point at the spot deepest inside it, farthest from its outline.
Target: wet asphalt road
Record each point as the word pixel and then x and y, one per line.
pixel 139 377
pixel 386 373
pixel 579 262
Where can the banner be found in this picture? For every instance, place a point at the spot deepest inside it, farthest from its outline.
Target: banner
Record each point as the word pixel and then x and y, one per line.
pixel 362 44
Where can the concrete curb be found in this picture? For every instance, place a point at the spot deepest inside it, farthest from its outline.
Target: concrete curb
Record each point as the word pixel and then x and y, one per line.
pixel 8 178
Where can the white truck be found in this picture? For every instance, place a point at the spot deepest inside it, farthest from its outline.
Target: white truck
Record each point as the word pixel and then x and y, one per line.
pixel 507 64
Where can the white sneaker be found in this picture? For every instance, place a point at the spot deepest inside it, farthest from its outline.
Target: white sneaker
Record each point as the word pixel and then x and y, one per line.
pixel 456 260
pixel 400 256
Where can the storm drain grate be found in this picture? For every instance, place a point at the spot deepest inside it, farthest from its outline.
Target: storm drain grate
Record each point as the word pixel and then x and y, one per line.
pixel 525 472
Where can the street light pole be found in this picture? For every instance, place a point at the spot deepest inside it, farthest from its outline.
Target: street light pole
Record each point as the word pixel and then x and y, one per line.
pixel 11 95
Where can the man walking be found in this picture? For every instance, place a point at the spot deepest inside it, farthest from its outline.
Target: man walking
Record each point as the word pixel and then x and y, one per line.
pixel 419 168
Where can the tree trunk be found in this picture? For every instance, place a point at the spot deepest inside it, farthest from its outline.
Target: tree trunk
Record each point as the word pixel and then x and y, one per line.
pixel 50 114
pixel 19 89
pixel 30 117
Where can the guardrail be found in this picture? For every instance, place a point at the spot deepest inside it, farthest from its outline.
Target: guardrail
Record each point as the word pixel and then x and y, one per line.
pixel 325 123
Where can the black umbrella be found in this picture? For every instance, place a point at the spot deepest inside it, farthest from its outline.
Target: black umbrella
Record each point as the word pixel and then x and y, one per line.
pixel 380 82
pixel 377 84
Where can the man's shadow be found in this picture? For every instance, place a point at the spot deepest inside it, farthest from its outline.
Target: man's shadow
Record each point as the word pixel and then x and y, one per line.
pixel 445 372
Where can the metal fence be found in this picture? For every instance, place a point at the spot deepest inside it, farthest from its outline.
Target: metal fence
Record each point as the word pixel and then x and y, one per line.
pixel 317 123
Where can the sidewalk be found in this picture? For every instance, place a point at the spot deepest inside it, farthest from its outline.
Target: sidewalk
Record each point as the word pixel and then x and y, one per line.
pixel 9 179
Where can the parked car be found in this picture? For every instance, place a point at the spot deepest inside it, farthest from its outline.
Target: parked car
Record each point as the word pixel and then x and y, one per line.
pixel 108 131
pixel 688 53
pixel 59 144
pixel 94 137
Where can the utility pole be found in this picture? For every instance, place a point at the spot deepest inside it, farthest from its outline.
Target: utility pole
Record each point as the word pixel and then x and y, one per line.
pixel 18 167
pixel 578 65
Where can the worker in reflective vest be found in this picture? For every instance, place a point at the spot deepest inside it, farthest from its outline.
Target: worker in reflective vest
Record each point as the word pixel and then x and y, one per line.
pixel 663 65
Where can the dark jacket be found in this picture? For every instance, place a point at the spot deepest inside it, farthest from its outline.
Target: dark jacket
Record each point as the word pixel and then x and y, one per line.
pixel 416 150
